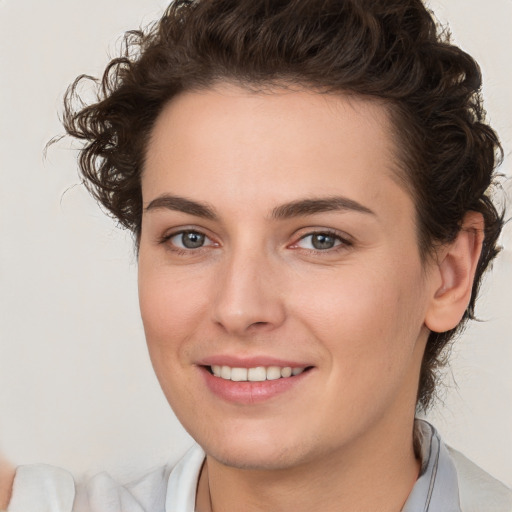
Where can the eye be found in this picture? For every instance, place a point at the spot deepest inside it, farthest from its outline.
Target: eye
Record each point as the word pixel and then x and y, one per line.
pixel 321 241
pixel 189 240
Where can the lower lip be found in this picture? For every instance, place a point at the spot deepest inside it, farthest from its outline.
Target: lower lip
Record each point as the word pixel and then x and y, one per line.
pixel 250 392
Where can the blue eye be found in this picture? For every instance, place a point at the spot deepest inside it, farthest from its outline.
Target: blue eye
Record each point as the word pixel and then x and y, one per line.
pixel 320 241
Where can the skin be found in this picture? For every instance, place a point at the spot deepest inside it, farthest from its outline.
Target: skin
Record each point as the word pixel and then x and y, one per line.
pixel 6 480
pixel 358 314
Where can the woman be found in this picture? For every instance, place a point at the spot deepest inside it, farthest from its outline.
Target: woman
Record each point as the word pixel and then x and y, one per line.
pixel 307 183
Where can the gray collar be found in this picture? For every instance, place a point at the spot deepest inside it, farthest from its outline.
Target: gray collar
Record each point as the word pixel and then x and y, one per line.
pixel 436 489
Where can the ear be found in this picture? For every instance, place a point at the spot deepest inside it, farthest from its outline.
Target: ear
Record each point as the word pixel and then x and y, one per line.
pixel 455 270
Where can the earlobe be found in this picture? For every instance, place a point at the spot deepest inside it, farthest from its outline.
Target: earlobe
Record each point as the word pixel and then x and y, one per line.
pixel 456 268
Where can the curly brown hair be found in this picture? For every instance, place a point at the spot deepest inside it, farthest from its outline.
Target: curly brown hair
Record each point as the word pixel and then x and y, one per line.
pixel 387 49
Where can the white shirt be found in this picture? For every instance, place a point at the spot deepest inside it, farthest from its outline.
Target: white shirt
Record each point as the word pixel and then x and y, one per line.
pixel 448 482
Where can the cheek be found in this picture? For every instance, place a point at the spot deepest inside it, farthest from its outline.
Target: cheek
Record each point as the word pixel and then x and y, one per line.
pixel 370 316
pixel 171 309
pixel 171 306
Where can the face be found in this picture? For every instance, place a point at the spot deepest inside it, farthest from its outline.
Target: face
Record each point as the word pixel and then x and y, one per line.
pixel 281 288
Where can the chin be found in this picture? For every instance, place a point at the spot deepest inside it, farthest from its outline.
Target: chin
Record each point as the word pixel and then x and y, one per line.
pixel 261 449
pixel 254 458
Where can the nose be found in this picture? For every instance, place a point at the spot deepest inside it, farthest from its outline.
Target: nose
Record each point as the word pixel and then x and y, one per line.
pixel 249 298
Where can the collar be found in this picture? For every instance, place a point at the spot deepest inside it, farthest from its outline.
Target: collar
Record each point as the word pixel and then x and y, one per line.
pixel 436 489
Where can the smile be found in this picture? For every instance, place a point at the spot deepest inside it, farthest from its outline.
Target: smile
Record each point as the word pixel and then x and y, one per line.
pixel 256 374
pixel 251 383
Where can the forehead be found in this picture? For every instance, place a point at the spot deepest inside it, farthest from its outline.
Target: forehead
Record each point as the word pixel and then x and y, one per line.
pixel 289 142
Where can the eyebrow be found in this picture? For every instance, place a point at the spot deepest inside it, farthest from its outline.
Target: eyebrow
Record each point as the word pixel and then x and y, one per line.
pixel 304 207
pixel 182 204
pixel 299 208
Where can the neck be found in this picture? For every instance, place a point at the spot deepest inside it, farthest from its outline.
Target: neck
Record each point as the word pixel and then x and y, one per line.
pixel 376 473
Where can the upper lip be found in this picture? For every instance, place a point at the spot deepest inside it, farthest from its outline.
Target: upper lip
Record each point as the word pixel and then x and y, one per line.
pixel 250 362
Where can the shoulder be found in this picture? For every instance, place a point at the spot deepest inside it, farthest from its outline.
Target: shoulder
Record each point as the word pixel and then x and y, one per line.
pixel 40 487
pixel 147 493
pixel 479 491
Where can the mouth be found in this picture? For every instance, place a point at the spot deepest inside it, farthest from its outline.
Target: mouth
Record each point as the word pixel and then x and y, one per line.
pixel 255 374
pixel 253 380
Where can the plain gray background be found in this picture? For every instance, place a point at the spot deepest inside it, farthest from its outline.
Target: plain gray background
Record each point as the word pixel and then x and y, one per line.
pixel 76 386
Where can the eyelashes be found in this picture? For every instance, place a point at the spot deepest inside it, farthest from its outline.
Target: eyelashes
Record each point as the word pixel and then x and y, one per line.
pixel 189 239
pixel 318 241
pixel 323 241
pixel 187 242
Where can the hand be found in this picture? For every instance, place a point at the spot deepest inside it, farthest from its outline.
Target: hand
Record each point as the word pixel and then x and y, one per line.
pixel 7 472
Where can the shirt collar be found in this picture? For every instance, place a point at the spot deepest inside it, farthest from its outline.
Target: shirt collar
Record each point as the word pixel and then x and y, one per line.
pixel 436 489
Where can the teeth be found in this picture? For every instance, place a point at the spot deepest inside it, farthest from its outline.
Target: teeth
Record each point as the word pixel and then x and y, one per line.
pixel 257 374
pixel 238 374
pixel 286 372
pixel 273 373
